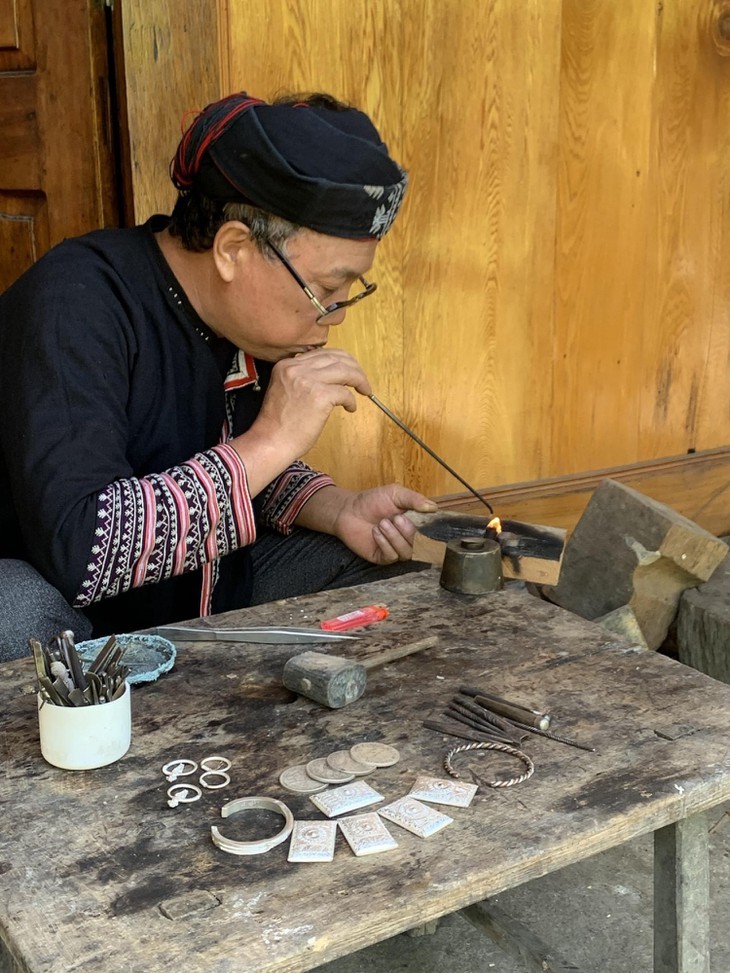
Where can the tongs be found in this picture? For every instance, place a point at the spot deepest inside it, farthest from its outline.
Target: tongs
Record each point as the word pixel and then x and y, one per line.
pixel 264 633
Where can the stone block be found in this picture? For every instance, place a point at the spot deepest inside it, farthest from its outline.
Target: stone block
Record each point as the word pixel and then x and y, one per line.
pixel 628 549
pixel 703 625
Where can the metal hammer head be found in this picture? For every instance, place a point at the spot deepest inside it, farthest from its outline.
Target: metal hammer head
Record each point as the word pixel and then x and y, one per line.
pixel 327 679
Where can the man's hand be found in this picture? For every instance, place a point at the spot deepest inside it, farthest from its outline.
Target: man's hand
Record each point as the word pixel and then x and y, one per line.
pixel 301 395
pixel 371 523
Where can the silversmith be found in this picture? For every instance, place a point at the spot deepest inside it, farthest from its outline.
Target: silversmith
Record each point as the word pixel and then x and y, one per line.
pixel 161 382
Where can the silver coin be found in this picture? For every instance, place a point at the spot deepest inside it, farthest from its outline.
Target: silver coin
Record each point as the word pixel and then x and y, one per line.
pixel 297 780
pixel 321 770
pixel 343 761
pixel 379 754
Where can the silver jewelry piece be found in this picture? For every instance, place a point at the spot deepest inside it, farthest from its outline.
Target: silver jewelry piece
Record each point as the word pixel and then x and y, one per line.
pixel 492 746
pixel 253 847
pixel 215 773
pixel 220 764
pixel 183 794
pixel 178 768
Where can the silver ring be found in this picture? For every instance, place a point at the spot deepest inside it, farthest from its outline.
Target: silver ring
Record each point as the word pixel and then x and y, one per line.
pixel 253 847
pixel 222 764
pixel 176 768
pixel 183 794
pixel 215 773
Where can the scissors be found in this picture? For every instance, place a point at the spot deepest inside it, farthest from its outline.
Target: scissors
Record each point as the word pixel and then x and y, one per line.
pixel 264 633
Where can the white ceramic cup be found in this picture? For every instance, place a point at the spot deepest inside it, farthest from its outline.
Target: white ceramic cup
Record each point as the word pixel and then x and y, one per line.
pixel 84 737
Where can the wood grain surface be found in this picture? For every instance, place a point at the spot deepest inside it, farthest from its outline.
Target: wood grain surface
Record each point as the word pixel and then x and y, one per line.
pixel 98 873
pixel 558 281
pixel 554 298
pixel 171 59
pixel 56 168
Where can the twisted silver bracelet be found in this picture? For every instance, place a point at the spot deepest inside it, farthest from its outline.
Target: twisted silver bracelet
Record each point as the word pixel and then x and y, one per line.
pixel 492 746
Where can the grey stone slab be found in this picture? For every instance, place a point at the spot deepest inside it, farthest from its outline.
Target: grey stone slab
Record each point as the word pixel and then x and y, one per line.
pixel 628 549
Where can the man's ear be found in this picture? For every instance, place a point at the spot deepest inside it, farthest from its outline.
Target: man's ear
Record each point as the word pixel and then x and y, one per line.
pixel 232 249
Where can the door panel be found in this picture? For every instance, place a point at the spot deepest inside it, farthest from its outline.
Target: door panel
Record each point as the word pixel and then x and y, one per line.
pixel 56 165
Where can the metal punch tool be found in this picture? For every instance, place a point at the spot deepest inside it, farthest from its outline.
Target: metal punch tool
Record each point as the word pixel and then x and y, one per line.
pixel 265 633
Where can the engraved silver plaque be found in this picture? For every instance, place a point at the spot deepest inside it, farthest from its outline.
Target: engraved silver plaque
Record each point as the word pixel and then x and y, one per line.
pixel 366 834
pixel 313 841
pixel 415 817
pixel 349 797
pixel 437 790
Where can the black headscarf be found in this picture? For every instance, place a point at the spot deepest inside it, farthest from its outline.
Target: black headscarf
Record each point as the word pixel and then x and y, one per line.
pixel 321 167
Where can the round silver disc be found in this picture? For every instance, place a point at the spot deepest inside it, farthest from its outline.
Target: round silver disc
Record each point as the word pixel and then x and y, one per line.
pixel 343 761
pixel 321 770
pixel 379 754
pixel 297 780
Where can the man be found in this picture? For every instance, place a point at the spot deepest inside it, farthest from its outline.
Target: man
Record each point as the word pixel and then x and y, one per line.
pixel 160 384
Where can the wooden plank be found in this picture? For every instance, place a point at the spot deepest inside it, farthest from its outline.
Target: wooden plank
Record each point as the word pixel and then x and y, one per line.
pixel 516 939
pixel 114 866
pixel 57 175
pixel 682 897
pixel 696 486
pixel 604 187
pixel 23 233
pixel 17 40
pixel 478 236
pixel 703 625
pixel 75 147
pixel 685 350
pixel 169 46
pixel 20 144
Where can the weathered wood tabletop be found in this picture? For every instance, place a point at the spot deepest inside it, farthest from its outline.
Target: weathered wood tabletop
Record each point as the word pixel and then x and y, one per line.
pixel 98 874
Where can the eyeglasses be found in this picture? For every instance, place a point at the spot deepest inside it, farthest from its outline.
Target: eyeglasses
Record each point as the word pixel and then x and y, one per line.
pixel 324 312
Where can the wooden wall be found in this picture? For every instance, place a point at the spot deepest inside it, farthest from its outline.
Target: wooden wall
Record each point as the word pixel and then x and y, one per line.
pixel 555 297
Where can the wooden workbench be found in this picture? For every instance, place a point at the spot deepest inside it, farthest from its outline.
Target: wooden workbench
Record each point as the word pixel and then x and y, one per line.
pixel 98 874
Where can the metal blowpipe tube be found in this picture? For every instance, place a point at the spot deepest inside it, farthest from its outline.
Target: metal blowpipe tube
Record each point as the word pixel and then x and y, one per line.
pixel 428 449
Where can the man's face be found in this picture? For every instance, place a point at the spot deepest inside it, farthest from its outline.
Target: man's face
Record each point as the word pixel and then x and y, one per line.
pixel 266 313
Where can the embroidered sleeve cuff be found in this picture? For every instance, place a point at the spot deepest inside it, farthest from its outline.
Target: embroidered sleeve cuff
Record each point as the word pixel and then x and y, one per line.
pixel 286 496
pixel 155 527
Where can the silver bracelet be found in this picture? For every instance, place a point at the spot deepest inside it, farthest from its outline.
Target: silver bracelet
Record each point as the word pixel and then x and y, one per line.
pixel 253 847
pixel 492 746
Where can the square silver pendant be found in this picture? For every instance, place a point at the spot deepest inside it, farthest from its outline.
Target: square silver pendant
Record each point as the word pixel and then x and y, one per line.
pixel 313 841
pixel 438 790
pixel 366 834
pixel 349 797
pixel 415 817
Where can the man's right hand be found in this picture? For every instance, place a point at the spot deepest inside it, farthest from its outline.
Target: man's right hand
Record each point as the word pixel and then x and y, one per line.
pixel 302 393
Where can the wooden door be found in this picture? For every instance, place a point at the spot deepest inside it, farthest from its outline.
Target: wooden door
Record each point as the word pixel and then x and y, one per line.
pixel 56 124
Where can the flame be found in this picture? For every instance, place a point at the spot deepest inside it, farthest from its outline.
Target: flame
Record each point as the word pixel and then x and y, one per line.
pixel 495 524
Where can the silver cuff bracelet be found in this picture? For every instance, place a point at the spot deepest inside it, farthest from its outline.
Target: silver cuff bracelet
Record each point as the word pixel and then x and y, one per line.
pixel 253 847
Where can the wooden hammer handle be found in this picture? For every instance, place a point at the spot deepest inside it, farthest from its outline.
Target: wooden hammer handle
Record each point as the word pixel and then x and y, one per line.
pixel 397 652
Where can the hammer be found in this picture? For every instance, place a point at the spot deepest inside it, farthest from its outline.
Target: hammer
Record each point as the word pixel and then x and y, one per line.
pixel 334 681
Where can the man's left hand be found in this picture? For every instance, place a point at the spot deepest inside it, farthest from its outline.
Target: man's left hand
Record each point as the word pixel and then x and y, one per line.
pixel 372 523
